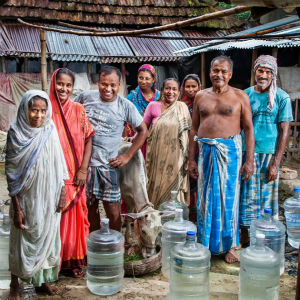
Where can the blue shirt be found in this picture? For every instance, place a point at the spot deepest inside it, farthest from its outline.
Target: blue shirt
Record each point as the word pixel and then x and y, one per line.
pixel 266 121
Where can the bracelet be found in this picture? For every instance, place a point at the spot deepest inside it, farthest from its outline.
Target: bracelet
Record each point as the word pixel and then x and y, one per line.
pixel 82 171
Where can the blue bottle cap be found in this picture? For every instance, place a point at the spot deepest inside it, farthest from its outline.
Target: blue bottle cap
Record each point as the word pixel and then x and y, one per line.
pixel 191 233
pixel 267 210
pixel 296 189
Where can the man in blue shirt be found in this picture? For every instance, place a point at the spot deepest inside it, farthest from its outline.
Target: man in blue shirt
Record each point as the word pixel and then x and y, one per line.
pixel 271 114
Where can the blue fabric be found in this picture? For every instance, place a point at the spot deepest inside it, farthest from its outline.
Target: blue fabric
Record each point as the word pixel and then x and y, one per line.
pixel 218 192
pixel 266 121
pixel 139 101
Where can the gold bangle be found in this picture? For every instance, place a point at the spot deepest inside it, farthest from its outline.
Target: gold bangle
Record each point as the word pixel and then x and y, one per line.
pixel 82 171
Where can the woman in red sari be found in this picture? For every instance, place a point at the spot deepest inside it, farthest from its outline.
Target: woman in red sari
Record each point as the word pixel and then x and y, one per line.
pixel 75 132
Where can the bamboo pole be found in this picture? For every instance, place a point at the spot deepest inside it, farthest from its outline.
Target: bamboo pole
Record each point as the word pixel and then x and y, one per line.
pixel 25 64
pixel 51 66
pixel 299 57
pixel 192 21
pixel 275 52
pixel 43 60
pixel 298 279
pixel 89 68
pixel 3 64
pixel 254 57
pixel 203 83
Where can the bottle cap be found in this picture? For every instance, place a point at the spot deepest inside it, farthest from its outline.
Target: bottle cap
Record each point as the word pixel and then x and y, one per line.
pixel 174 194
pixel 296 189
pixel 191 235
pixel 267 210
pixel 260 236
pixel 105 220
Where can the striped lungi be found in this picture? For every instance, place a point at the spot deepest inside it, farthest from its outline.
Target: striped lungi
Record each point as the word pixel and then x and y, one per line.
pixel 258 194
pixel 218 192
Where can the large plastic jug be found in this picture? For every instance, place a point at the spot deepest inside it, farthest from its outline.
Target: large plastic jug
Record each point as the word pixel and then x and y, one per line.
pixel 4 248
pixel 171 205
pixel 274 232
pixel 173 233
pixel 189 273
pixel 259 272
pixel 292 217
pixel 105 258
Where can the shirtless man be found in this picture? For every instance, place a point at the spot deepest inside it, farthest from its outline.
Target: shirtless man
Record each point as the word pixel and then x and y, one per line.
pixel 218 114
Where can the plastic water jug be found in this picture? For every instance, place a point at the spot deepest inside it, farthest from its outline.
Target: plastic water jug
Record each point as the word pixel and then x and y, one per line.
pixel 259 272
pixel 189 273
pixel 105 258
pixel 173 233
pixel 171 205
pixel 274 232
pixel 292 217
pixel 4 248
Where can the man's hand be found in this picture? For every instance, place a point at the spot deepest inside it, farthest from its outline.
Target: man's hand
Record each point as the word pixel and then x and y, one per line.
pixel 119 161
pixel 62 200
pixel 272 172
pixel 80 177
pixel 193 169
pixel 247 170
pixel 129 139
pixel 19 219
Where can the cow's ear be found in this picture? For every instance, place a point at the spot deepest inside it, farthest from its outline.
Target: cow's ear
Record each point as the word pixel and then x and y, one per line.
pixel 132 215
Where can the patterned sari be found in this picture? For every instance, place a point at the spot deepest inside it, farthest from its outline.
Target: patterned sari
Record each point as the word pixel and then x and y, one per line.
pixel 74 130
pixel 167 155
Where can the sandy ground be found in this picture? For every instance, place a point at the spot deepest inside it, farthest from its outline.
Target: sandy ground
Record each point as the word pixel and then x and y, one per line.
pixel 224 279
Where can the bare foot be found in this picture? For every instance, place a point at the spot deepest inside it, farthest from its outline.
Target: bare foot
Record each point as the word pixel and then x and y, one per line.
pixel 47 288
pixel 231 257
pixel 13 294
pixel 238 247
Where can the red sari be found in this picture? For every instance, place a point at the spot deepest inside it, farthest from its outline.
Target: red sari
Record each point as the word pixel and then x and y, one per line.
pixel 74 130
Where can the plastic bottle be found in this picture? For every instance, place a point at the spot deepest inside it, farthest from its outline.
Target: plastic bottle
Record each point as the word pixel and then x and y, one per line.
pixel 173 233
pixel 105 256
pixel 274 232
pixel 171 205
pixel 259 272
pixel 292 217
pixel 189 273
pixel 4 248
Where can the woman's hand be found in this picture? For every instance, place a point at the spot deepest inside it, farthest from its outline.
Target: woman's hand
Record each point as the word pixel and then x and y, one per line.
pixel 62 200
pixel 80 177
pixel 19 219
pixel 129 139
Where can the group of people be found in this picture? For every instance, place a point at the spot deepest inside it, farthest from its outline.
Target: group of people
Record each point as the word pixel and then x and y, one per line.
pixel 62 158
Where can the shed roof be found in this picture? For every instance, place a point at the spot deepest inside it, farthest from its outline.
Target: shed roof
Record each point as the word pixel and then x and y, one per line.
pixel 116 12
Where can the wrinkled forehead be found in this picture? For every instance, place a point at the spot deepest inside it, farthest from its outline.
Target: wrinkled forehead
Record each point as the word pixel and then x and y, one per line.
pixel 221 64
pixel 111 78
pixel 264 69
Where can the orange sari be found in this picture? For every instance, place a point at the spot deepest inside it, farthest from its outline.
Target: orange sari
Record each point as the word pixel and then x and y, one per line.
pixel 74 130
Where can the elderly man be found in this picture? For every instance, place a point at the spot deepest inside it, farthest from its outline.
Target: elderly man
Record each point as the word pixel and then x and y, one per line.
pixel 271 114
pixel 108 112
pixel 216 126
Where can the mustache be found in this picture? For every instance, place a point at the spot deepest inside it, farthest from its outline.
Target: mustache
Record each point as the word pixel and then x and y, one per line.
pixel 261 78
pixel 218 78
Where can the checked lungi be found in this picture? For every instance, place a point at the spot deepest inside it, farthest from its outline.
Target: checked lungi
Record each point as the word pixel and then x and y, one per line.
pixel 218 192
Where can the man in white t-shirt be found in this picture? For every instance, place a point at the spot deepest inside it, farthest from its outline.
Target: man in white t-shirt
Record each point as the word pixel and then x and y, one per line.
pixel 108 112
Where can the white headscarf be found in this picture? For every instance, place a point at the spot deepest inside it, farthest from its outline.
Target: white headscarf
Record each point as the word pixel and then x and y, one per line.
pixel 25 143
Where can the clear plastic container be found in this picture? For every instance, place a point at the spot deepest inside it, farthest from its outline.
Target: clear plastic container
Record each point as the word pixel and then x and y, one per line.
pixel 292 217
pixel 105 257
pixel 171 205
pixel 4 248
pixel 173 233
pixel 259 272
pixel 274 232
pixel 189 274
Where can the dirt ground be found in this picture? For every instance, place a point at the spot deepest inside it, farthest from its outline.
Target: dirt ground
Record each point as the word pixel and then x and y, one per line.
pixel 224 278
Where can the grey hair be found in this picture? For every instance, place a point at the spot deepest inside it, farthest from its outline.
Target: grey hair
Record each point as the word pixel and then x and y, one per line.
pixel 223 58
pixel 34 98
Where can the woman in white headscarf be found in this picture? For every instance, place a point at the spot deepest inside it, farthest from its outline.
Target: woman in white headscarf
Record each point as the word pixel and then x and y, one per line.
pixel 35 170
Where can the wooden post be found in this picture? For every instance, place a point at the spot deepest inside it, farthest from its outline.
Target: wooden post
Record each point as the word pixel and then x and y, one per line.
pixel 123 67
pixel 254 57
pixel 3 64
pixel 299 58
pixel 295 127
pixel 43 60
pixel 25 64
pixel 51 65
pixel 275 52
pixel 203 83
pixel 298 280
pixel 89 68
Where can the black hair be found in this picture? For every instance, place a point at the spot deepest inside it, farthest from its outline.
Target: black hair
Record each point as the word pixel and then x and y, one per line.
pixel 67 72
pixel 223 58
pixel 170 79
pixel 191 77
pixel 107 70
pixel 145 70
pixel 34 98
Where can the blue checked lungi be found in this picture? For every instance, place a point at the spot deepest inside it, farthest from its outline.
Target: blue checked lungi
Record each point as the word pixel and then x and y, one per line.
pixel 218 192
pixel 258 194
pixel 103 183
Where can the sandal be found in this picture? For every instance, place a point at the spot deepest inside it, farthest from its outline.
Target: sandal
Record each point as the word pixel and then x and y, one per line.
pixel 76 272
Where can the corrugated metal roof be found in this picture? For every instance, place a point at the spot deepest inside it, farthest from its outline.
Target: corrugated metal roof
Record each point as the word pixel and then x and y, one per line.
pixel 116 47
pixel 176 44
pixel 6 45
